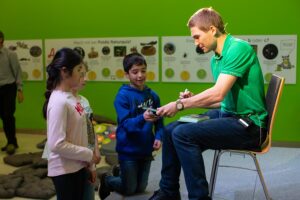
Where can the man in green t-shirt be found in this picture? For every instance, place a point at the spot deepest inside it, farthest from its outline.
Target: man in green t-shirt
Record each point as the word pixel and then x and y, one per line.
pixel 238 115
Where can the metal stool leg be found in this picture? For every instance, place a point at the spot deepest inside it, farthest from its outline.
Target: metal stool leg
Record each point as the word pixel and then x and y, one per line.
pixel 262 181
pixel 214 171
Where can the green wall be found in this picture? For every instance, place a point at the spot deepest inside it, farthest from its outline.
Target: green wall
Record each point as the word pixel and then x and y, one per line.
pixel 29 19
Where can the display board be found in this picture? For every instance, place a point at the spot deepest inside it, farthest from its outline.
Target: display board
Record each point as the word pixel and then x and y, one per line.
pixel 104 56
pixel 182 61
pixel 30 55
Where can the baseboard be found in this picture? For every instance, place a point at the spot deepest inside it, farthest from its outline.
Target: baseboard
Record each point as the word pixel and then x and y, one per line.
pixel 29 131
pixel 286 144
pixel 274 143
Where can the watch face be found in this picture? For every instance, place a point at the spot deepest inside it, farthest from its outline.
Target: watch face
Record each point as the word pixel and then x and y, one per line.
pixel 179 105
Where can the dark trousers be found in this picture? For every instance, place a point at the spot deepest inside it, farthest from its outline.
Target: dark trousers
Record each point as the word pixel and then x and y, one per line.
pixel 184 143
pixel 8 95
pixel 70 186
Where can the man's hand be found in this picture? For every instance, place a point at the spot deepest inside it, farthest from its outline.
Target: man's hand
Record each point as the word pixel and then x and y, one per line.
pixel 20 96
pixel 168 110
pixel 185 94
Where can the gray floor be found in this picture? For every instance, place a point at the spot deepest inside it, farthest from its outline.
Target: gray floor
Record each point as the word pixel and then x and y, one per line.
pixel 280 167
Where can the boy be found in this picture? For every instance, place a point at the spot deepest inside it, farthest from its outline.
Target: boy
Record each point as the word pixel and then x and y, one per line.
pixel 135 137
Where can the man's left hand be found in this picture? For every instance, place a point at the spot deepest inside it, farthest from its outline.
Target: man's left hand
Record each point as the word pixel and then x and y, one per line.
pixel 20 96
pixel 168 110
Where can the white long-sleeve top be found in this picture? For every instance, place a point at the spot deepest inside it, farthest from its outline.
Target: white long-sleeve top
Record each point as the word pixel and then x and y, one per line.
pixel 66 134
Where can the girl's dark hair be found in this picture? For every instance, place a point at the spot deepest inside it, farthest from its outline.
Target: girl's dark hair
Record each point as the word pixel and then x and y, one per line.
pixel 133 59
pixel 64 57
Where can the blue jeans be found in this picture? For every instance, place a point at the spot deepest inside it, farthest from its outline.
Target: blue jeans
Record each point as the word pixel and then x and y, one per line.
pixel 89 188
pixel 133 177
pixel 183 144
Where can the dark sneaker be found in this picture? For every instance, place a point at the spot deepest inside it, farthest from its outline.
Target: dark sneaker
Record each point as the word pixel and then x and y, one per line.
pixel 116 170
pixel 5 147
pixel 10 149
pixel 103 191
pixel 42 144
pixel 160 195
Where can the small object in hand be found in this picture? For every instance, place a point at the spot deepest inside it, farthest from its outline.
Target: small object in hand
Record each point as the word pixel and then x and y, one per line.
pixel 152 110
pixel 185 93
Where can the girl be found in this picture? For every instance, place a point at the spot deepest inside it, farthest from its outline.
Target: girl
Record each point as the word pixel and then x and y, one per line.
pixel 66 126
pixel 89 189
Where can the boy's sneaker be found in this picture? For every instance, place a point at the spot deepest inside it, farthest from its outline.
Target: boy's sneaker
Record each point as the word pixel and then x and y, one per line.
pixel 160 195
pixel 10 148
pixel 103 191
pixel 116 170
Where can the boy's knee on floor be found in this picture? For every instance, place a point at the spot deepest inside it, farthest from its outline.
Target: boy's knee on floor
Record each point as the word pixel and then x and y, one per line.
pixel 129 191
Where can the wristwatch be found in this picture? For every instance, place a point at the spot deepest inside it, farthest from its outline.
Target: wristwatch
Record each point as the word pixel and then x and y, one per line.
pixel 179 105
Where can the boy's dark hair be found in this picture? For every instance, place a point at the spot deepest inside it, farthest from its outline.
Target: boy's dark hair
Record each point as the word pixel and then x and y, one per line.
pixel 133 59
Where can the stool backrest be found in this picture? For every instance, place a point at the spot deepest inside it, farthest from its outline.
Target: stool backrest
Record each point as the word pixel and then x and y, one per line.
pixel 272 99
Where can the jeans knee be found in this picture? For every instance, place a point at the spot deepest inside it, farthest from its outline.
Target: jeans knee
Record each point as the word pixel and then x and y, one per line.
pixel 169 130
pixel 179 132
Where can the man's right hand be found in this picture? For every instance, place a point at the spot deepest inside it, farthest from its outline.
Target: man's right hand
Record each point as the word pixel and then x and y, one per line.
pixel 185 94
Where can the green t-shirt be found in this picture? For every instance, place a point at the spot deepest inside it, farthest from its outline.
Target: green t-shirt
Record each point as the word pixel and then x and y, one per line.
pixel 247 95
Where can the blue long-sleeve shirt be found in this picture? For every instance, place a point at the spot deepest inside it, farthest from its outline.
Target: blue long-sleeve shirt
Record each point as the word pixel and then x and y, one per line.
pixel 135 136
